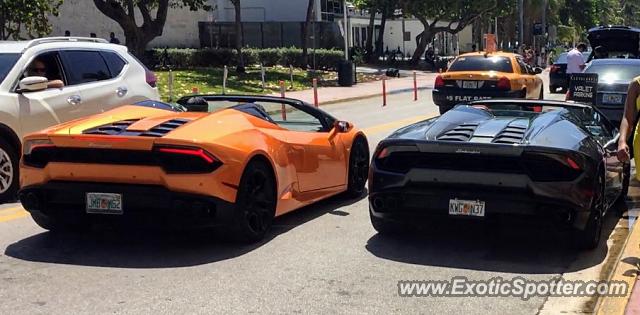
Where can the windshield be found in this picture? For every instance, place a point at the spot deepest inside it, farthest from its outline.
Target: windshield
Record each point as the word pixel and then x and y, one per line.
pixel 6 63
pixel 614 72
pixel 482 63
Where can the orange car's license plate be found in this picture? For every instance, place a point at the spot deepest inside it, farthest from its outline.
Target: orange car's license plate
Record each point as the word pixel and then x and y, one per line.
pixel 104 203
pixel 474 208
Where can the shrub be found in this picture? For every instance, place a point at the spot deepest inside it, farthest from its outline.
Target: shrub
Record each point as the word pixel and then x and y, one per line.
pixel 185 58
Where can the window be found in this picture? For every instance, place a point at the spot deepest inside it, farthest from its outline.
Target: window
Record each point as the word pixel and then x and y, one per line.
pixel 6 63
pixel 45 64
pixel 291 118
pixel 482 63
pixel 85 66
pixel 114 62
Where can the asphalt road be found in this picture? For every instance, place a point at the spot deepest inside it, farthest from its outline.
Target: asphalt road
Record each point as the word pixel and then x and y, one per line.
pixel 325 258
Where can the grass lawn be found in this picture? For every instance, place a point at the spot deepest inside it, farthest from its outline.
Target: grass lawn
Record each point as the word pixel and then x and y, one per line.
pixel 209 81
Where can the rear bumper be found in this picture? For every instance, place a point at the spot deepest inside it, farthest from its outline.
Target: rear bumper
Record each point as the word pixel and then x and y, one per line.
pixel 423 195
pixel 142 204
pixel 559 80
pixel 449 97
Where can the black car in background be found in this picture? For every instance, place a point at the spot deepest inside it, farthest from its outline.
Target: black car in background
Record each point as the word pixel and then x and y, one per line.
pixel 620 42
pixel 614 76
pixel 498 159
pixel 558 80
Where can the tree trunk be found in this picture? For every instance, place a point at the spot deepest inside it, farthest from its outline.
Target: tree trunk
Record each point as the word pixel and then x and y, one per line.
pixel 136 37
pixel 369 44
pixel 380 41
pixel 305 33
pixel 238 28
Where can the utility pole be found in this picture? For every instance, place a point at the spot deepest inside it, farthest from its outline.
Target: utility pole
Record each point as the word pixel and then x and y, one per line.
pixel 545 3
pixel 346 30
pixel 520 22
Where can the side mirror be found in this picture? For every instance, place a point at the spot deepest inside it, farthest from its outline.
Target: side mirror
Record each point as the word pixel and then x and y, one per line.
pixel 537 70
pixel 33 84
pixel 342 126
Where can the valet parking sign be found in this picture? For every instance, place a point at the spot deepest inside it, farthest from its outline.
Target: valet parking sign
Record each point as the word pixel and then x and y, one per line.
pixel 583 87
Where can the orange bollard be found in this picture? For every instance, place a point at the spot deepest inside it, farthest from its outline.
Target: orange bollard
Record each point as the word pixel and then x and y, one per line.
pixel 384 92
pixel 284 109
pixel 194 90
pixel 415 87
pixel 315 92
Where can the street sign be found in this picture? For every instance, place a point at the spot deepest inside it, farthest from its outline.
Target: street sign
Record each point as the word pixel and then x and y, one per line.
pixel 583 87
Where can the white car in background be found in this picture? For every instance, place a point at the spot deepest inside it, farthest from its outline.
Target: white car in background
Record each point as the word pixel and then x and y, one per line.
pixel 97 76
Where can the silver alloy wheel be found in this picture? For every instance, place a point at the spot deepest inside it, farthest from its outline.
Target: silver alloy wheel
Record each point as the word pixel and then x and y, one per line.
pixel 6 171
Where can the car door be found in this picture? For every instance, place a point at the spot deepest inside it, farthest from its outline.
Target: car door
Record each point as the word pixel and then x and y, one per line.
pixel 317 154
pixel 49 107
pixel 100 89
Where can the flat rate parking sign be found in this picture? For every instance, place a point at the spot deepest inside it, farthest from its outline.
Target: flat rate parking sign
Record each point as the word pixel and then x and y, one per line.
pixel 583 87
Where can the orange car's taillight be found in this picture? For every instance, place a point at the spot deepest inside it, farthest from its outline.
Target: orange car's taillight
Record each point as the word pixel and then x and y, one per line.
pixel 185 159
pixel 36 153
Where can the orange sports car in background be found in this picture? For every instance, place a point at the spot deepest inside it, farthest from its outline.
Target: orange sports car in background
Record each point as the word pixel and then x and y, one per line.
pixel 480 75
pixel 236 162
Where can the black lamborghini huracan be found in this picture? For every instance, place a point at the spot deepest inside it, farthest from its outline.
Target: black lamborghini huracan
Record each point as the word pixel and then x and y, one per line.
pixel 554 160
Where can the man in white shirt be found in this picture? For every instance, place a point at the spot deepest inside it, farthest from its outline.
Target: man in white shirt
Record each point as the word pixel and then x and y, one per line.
pixel 575 61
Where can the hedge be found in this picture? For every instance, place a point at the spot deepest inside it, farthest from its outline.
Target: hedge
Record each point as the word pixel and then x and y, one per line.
pixel 185 58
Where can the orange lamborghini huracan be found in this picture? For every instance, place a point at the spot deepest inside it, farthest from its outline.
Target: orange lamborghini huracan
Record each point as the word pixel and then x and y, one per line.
pixel 229 161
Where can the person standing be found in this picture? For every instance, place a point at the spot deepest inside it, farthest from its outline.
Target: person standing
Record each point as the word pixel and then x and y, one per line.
pixel 575 60
pixel 113 39
pixel 629 121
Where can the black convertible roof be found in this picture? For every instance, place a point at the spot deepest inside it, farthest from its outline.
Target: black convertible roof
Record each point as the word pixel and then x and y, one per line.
pixel 531 103
pixel 244 99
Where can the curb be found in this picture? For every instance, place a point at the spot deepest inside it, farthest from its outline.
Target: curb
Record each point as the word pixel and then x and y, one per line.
pixel 362 97
pixel 625 272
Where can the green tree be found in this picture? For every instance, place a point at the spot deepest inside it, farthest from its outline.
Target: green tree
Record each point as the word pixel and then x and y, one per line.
pixel 26 17
pixel 445 16
pixel 386 9
pixel 137 37
pixel 305 31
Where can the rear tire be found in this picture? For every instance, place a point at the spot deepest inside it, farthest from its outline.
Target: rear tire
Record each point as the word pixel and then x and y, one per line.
pixel 358 167
pixel 589 238
pixel 8 172
pixel 255 203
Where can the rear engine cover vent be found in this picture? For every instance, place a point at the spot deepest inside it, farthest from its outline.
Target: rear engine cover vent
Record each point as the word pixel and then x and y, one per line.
pixel 461 133
pixel 510 135
pixel 164 128
pixel 115 128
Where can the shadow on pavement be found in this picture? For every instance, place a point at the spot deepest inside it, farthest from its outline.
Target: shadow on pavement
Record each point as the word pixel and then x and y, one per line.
pixel 512 247
pixel 145 248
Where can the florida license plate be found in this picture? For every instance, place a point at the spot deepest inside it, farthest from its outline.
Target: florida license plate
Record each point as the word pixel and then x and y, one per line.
pixel 611 98
pixel 104 203
pixel 469 84
pixel 473 208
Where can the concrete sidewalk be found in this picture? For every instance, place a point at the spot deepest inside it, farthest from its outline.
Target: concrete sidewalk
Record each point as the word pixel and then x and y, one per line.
pixel 329 95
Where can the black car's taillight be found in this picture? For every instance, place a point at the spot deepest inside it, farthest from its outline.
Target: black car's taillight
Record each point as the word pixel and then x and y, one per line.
pixel 552 168
pixel 185 159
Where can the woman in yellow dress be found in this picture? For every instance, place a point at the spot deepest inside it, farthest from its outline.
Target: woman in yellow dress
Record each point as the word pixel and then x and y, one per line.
pixel 631 109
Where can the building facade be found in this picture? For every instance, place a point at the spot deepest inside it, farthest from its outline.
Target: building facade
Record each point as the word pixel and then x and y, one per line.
pixel 184 28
